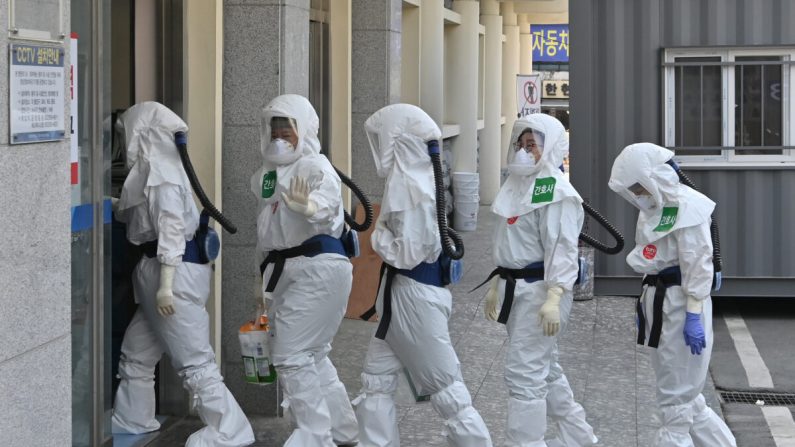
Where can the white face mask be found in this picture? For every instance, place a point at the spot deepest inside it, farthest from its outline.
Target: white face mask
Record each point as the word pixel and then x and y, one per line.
pixel 645 203
pixel 280 152
pixel 523 163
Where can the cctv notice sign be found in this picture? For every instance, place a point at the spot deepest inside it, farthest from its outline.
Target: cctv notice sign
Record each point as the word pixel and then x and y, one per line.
pixel 36 93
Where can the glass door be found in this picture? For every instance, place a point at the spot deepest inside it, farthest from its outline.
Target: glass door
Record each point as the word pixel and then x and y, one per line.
pixel 90 232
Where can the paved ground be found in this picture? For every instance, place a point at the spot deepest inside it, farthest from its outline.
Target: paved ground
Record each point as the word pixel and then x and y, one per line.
pixel 610 375
pixel 769 330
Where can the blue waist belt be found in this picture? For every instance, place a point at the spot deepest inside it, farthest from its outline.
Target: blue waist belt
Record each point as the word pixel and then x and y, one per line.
pixel 430 273
pixel 313 246
pixel 191 251
pixel 672 276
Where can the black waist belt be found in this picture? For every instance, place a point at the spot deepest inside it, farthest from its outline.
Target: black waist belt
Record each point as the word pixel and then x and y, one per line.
pixel 532 273
pixel 672 276
pixel 426 273
pixel 311 247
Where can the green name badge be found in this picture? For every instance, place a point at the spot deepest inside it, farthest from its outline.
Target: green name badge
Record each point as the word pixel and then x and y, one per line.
pixel 668 218
pixel 268 184
pixel 544 190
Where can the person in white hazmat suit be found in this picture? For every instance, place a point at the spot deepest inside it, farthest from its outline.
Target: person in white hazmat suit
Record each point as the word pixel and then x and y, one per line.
pixel 673 249
pixel 407 237
pixel 535 248
pixel 306 275
pixel 171 287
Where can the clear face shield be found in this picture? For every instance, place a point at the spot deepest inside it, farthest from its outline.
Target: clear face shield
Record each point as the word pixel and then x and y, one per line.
pixel 279 140
pixel 382 158
pixel 641 197
pixel 525 154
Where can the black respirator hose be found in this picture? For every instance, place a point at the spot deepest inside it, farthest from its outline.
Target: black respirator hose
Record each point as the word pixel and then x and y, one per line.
pixel 182 145
pixel 368 207
pixel 590 240
pixel 452 244
pixel 717 260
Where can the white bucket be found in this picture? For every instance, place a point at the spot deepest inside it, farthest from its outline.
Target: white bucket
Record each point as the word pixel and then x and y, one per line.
pixel 467 197
pixel 466 179
pixel 465 215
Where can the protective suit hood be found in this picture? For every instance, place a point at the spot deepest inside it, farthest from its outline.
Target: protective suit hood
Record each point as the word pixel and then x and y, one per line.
pixel 546 184
pixel 147 130
pixel 398 136
pixel 675 205
pixel 301 112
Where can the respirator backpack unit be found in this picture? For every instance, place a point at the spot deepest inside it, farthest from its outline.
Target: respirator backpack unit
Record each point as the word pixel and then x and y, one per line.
pixel 447 269
pixel 207 242
pixel 717 260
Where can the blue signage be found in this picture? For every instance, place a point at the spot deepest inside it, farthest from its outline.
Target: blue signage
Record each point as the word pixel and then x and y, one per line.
pixel 550 43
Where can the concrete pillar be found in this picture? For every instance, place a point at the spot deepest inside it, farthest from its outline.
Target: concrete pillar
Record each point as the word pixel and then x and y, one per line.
pixel 510 68
pixel 376 56
pixel 39 326
pixel 490 136
pixel 462 105
pixel 525 45
pixel 266 53
pixel 432 59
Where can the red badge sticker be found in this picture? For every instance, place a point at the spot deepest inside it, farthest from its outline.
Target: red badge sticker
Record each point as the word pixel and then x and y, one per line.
pixel 512 220
pixel 649 251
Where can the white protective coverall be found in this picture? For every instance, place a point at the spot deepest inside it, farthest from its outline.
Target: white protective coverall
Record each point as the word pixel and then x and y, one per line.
pixel 673 230
pixel 309 301
pixel 157 204
pixel 539 225
pixel 407 234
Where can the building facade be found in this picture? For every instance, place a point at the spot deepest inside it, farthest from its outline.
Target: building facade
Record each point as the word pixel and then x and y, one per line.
pixel 711 80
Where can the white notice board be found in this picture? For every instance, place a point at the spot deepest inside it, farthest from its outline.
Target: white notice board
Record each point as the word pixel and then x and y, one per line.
pixel 36 93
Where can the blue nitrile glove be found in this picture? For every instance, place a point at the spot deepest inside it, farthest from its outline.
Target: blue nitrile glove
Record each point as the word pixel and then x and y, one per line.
pixel 694 333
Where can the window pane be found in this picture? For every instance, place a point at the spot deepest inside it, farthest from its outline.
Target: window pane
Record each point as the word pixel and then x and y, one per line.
pixel 698 107
pixel 758 107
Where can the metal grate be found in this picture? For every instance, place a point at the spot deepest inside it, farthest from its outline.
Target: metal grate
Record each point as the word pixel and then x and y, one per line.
pixel 769 399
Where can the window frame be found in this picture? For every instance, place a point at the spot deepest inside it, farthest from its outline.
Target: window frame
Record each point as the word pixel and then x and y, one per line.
pixel 728 55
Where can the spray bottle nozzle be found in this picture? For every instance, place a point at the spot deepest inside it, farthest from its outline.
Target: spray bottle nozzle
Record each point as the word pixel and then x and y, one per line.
pixel 433 147
pixel 180 138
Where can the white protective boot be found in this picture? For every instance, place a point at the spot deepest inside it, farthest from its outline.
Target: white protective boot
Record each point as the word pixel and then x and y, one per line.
pixel 464 426
pixel 527 423
pixel 344 428
pixel 226 424
pixel 573 430
pixel 675 424
pixel 375 411
pixel 708 428
pixel 134 406
pixel 304 399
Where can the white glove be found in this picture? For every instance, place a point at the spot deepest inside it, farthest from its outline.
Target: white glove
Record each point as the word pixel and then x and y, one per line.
pixel 165 294
pixel 114 204
pixel 549 315
pixel 298 197
pixel 492 299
